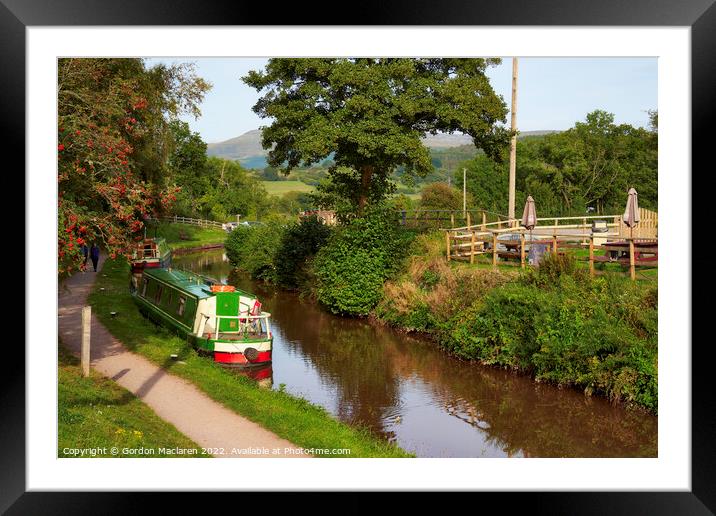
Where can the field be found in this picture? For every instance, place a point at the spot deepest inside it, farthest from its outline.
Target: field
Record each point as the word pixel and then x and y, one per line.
pixel 278 188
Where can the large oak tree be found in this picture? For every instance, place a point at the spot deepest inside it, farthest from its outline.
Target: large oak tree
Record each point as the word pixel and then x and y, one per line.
pixel 369 115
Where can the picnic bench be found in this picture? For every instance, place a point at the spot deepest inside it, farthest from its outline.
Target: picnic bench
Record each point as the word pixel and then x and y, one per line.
pixel 645 253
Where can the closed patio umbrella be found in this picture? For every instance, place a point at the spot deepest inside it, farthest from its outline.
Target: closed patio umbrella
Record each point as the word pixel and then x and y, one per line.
pixel 631 213
pixel 529 218
pixel 529 215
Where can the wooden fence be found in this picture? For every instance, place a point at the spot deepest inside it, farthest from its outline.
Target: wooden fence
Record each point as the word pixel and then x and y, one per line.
pixel 646 228
pixel 453 218
pixel 641 248
pixel 194 222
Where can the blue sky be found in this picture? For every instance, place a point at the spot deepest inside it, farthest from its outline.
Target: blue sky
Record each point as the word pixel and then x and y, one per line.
pixel 553 93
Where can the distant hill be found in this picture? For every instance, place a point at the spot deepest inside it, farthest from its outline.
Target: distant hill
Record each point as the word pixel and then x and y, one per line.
pixel 248 151
pixel 245 146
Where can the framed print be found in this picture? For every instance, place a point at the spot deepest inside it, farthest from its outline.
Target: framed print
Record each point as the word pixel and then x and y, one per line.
pixel 459 290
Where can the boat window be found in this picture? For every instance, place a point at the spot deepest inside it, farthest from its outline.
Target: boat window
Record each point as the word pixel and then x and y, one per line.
pixel 182 304
pixel 144 287
pixel 158 295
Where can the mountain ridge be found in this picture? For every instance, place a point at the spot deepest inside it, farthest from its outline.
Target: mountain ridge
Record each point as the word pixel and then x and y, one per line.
pixel 246 148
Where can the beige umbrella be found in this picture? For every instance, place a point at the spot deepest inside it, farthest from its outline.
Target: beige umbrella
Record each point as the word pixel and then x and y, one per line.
pixel 529 218
pixel 631 213
pixel 529 215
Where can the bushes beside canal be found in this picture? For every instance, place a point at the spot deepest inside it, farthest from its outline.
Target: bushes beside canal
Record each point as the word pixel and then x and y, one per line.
pixel 555 322
pixel 255 249
pixel 600 335
pixel 352 267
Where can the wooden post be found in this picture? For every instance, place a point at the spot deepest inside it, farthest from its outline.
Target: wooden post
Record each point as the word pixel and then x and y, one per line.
pixel 86 330
pixel 554 243
pixel 472 247
pixel 452 220
pixel 591 255
pixel 468 219
pixel 632 268
pixel 484 221
pixel 447 241
pixel 522 250
pixel 494 249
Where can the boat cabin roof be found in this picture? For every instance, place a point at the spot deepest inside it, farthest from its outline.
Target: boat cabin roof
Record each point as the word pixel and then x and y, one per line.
pixel 194 284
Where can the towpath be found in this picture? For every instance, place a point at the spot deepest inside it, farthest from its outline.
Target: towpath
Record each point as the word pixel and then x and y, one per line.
pixel 193 413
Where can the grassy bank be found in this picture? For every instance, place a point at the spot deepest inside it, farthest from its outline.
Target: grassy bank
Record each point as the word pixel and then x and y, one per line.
pixel 292 418
pixel 183 236
pixel 556 323
pixel 96 413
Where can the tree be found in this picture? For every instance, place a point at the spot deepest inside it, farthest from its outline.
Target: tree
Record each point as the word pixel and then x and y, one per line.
pixel 486 183
pixel 113 144
pixel 440 196
pixel 369 115
pixel 188 167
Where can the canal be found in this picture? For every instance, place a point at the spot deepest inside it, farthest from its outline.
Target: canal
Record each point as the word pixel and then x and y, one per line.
pixel 407 391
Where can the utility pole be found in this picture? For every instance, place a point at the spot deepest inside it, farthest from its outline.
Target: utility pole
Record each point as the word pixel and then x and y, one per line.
pixel 513 146
pixel 464 192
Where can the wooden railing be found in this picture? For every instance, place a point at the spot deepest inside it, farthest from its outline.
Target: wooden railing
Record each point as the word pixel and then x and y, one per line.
pixel 468 242
pixel 442 218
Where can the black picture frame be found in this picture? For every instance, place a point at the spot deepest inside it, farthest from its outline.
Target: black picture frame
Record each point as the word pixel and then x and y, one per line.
pixel 700 15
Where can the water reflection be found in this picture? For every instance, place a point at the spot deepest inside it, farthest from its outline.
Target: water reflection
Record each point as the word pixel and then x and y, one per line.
pixel 407 391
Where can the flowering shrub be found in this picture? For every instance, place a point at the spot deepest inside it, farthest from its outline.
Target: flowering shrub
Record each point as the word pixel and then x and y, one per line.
pixel 111 124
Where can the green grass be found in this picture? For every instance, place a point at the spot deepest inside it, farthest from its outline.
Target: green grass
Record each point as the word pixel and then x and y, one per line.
pixel 278 188
pixel 182 236
pixel 292 418
pixel 96 413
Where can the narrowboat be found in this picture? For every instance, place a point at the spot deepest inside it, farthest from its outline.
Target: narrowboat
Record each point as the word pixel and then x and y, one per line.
pixel 150 253
pixel 214 318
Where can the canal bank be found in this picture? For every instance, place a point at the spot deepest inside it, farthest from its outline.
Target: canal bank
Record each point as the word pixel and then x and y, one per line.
pixel 413 394
pixel 291 418
pixel 174 400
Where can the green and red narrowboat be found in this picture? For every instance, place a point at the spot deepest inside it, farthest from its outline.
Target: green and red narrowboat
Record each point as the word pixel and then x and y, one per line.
pixel 214 318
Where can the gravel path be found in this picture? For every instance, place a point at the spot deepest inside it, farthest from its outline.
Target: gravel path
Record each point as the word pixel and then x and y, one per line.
pixel 177 401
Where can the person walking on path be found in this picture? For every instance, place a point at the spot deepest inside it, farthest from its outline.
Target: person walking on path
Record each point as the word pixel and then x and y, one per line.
pixel 94 254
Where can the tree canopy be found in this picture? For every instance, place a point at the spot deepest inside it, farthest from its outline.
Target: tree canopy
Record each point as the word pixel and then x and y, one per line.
pixel 369 115
pixel 591 165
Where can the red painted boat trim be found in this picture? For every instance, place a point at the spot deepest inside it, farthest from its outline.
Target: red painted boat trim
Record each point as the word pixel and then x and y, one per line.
pixel 239 358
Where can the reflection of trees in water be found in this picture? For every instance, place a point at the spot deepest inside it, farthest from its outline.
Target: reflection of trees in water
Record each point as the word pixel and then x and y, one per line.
pixel 209 263
pixel 365 364
pixel 539 420
pixel 348 354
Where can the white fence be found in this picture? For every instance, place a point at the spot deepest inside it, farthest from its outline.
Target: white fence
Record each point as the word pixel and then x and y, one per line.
pixel 194 222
